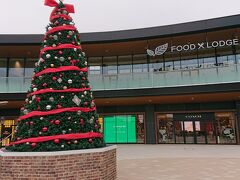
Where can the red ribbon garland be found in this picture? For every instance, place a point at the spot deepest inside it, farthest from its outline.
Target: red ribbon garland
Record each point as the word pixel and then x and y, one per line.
pixel 55 111
pixel 60 69
pixel 61 28
pixel 53 3
pixel 42 91
pixel 64 16
pixel 62 137
pixel 62 46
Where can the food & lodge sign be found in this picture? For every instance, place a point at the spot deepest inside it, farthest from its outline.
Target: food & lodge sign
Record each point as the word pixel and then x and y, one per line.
pixel 160 50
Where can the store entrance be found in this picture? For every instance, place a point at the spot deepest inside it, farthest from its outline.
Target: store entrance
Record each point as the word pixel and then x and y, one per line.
pixel 187 128
pixel 194 132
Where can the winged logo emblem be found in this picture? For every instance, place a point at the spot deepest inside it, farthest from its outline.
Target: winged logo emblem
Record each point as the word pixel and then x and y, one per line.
pixel 158 51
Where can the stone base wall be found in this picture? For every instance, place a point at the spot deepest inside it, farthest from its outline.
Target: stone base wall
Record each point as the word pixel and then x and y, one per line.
pixel 93 164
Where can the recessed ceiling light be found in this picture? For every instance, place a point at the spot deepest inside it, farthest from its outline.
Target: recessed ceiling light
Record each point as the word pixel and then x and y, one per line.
pixel 3 102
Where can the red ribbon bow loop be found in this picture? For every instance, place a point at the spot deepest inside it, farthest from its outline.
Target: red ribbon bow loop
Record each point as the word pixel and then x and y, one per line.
pixel 53 3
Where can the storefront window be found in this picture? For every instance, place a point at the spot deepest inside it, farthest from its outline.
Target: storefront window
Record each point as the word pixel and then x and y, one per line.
pixel 165 128
pixel 140 128
pixel 179 132
pixel 226 133
pixel 3 67
pixel 197 128
pixel 6 131
pixel 16 68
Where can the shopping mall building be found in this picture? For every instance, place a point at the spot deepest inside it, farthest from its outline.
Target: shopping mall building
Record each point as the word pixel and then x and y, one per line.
pixel 176 84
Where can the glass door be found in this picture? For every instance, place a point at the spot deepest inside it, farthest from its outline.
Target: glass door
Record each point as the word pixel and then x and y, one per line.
pixel 189 132
pixel 205 132
pixel 179 132
pixel 200 133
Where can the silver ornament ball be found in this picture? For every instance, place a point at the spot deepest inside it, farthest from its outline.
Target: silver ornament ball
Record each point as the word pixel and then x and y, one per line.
pixel 70 81
pixel 48 107
pixel 48 56
pixel 62 59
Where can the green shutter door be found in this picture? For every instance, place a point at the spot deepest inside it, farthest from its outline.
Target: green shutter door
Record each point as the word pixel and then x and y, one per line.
pixel 121 129
pixel 132 129
pixel 110 129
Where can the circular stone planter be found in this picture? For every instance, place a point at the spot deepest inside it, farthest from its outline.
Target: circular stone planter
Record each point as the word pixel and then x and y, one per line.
pixel 90 164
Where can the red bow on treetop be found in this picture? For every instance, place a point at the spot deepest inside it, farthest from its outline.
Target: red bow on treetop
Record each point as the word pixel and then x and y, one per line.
pixel 53 3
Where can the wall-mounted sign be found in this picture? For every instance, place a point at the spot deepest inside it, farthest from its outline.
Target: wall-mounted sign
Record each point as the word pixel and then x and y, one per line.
pixel 158 51
pixel 191 47
pixel 194 117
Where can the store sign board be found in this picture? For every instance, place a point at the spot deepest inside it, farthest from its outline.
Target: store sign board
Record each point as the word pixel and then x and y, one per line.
pixel 160 50
pixel 194 117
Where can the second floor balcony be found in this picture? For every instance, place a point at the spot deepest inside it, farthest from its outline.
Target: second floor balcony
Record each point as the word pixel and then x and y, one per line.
pixel 229 73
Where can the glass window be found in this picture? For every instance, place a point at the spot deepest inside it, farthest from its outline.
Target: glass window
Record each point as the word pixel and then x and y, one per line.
pixel 207 58
pixel 16 68
pixel 3 67
pixel 177 65
pixel 124 64
pixel 226 133
pixel 209 62
pixel 238 58
pixel 225 55
pixel 140 63
pixel 168 65
pixel 189 64
pixel 156 64
pixel 95 64
pixel 165 128
pixel 110 65
pixel 29 67
pixel 201 62
pixel 140 128
pixel 170 58
pixel 221 60
pixel 95 69
pixel 231 59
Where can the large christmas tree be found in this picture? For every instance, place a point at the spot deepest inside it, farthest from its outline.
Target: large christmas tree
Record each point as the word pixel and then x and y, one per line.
pixel 59 112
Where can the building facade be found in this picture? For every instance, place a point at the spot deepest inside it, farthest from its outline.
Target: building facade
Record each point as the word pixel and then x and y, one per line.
pixel 176 84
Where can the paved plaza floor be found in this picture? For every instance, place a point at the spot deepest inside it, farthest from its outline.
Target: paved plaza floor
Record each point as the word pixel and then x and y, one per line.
pixel 178 162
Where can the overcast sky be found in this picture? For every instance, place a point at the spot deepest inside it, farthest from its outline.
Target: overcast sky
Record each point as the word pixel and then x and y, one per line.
pixel 31 16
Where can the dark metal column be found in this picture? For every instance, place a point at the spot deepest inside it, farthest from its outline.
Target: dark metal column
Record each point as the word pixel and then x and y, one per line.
pixel 238 121
pixel 150 125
